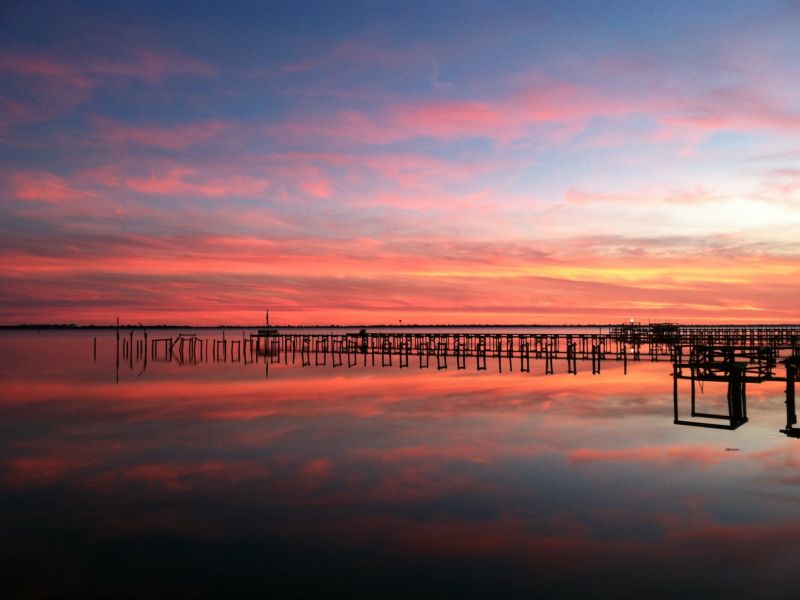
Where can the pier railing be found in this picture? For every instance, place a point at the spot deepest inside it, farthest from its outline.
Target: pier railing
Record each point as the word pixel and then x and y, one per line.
pixel 735 356
pixel 760 347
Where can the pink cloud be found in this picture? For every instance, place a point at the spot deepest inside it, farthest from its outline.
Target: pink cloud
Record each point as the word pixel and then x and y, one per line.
pixel 13 112
pixel 114 132
pixel 52 87
pixel 319 188
pixel 583 197
pixel 141 64
pixel 701 455
pixel 45 187
pixel 183 477
pixel 448 118
pixel 562 107
pixel 390 170
pixel 696 195
pixel 38 470
pixel 46 88
pixel 186 181
pixel 317 469
pixel 38 66
pixel 150 65
pixel 375 52
pixel 740 108
pixel 554 111
pixel 423 281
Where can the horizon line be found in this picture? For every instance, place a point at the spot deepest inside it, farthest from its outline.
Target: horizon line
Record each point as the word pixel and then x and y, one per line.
pixel 373 325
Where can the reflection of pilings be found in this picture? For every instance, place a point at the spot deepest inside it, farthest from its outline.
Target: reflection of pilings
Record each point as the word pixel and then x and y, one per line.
pixel 324 354
pixel 424 357
pixel 498 349
pixel 675 377
pixel 461 358
pixel 220 349
pixel 274 350
pixel 572 363
pixel 404 351
pixel 624 359
pixel 549 347
pixel 596 359
pixel 386 351
pixel 117 366
pixel 714 364
pixel 337 359
pixel 480 353
pixel 676 355
pixel 524 355
pixel 737 395
pixel 352 359
pixel 166 343
pixel 791 412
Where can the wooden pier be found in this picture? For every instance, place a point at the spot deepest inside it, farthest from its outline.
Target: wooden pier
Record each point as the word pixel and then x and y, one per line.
pixel 735 356
pixel 687 348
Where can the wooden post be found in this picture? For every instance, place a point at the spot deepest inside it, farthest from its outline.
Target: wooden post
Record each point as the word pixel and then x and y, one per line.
pixel 117 349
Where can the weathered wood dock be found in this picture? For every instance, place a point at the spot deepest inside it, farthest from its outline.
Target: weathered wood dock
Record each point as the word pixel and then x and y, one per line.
pixel 733 355
pixel 686 347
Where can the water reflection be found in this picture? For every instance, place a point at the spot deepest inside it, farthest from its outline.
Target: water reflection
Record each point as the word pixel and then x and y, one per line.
pixel 207 477
pixel 733 356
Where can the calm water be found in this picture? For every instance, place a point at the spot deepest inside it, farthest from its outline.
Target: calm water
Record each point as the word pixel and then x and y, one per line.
pixel 214 479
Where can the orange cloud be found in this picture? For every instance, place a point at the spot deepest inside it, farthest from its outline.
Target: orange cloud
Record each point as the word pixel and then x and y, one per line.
pixel 324 280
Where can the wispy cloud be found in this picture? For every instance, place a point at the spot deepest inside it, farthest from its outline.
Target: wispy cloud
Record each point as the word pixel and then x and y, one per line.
pixel 377 170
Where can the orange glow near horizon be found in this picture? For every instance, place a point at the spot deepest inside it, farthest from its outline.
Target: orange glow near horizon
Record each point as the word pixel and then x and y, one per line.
pixel 224 281
pixel 355 179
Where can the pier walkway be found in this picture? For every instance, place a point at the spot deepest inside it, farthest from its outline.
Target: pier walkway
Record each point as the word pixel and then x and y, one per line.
pixel 733 355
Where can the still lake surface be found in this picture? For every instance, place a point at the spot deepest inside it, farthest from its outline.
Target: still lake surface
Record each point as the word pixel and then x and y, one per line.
pixel 214 479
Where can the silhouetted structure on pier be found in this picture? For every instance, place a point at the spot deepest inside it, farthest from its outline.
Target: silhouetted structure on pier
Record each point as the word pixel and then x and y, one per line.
pixel 791 365
pixel 701 355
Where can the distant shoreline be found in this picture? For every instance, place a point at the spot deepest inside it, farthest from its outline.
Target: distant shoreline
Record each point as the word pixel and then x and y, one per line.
pixel 72 326
pixel 262 326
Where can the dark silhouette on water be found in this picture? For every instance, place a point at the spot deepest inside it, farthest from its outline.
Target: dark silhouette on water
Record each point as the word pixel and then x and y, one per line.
pixel 792 365
pixel 720 364
pixel 734 356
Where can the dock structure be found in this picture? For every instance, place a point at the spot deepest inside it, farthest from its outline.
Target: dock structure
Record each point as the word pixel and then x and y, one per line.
pixel 700 355
pixel 792 366
pixel 688 348
pixel 709 335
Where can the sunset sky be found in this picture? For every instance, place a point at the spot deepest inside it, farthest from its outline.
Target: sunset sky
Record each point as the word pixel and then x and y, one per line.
pixel 370 162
